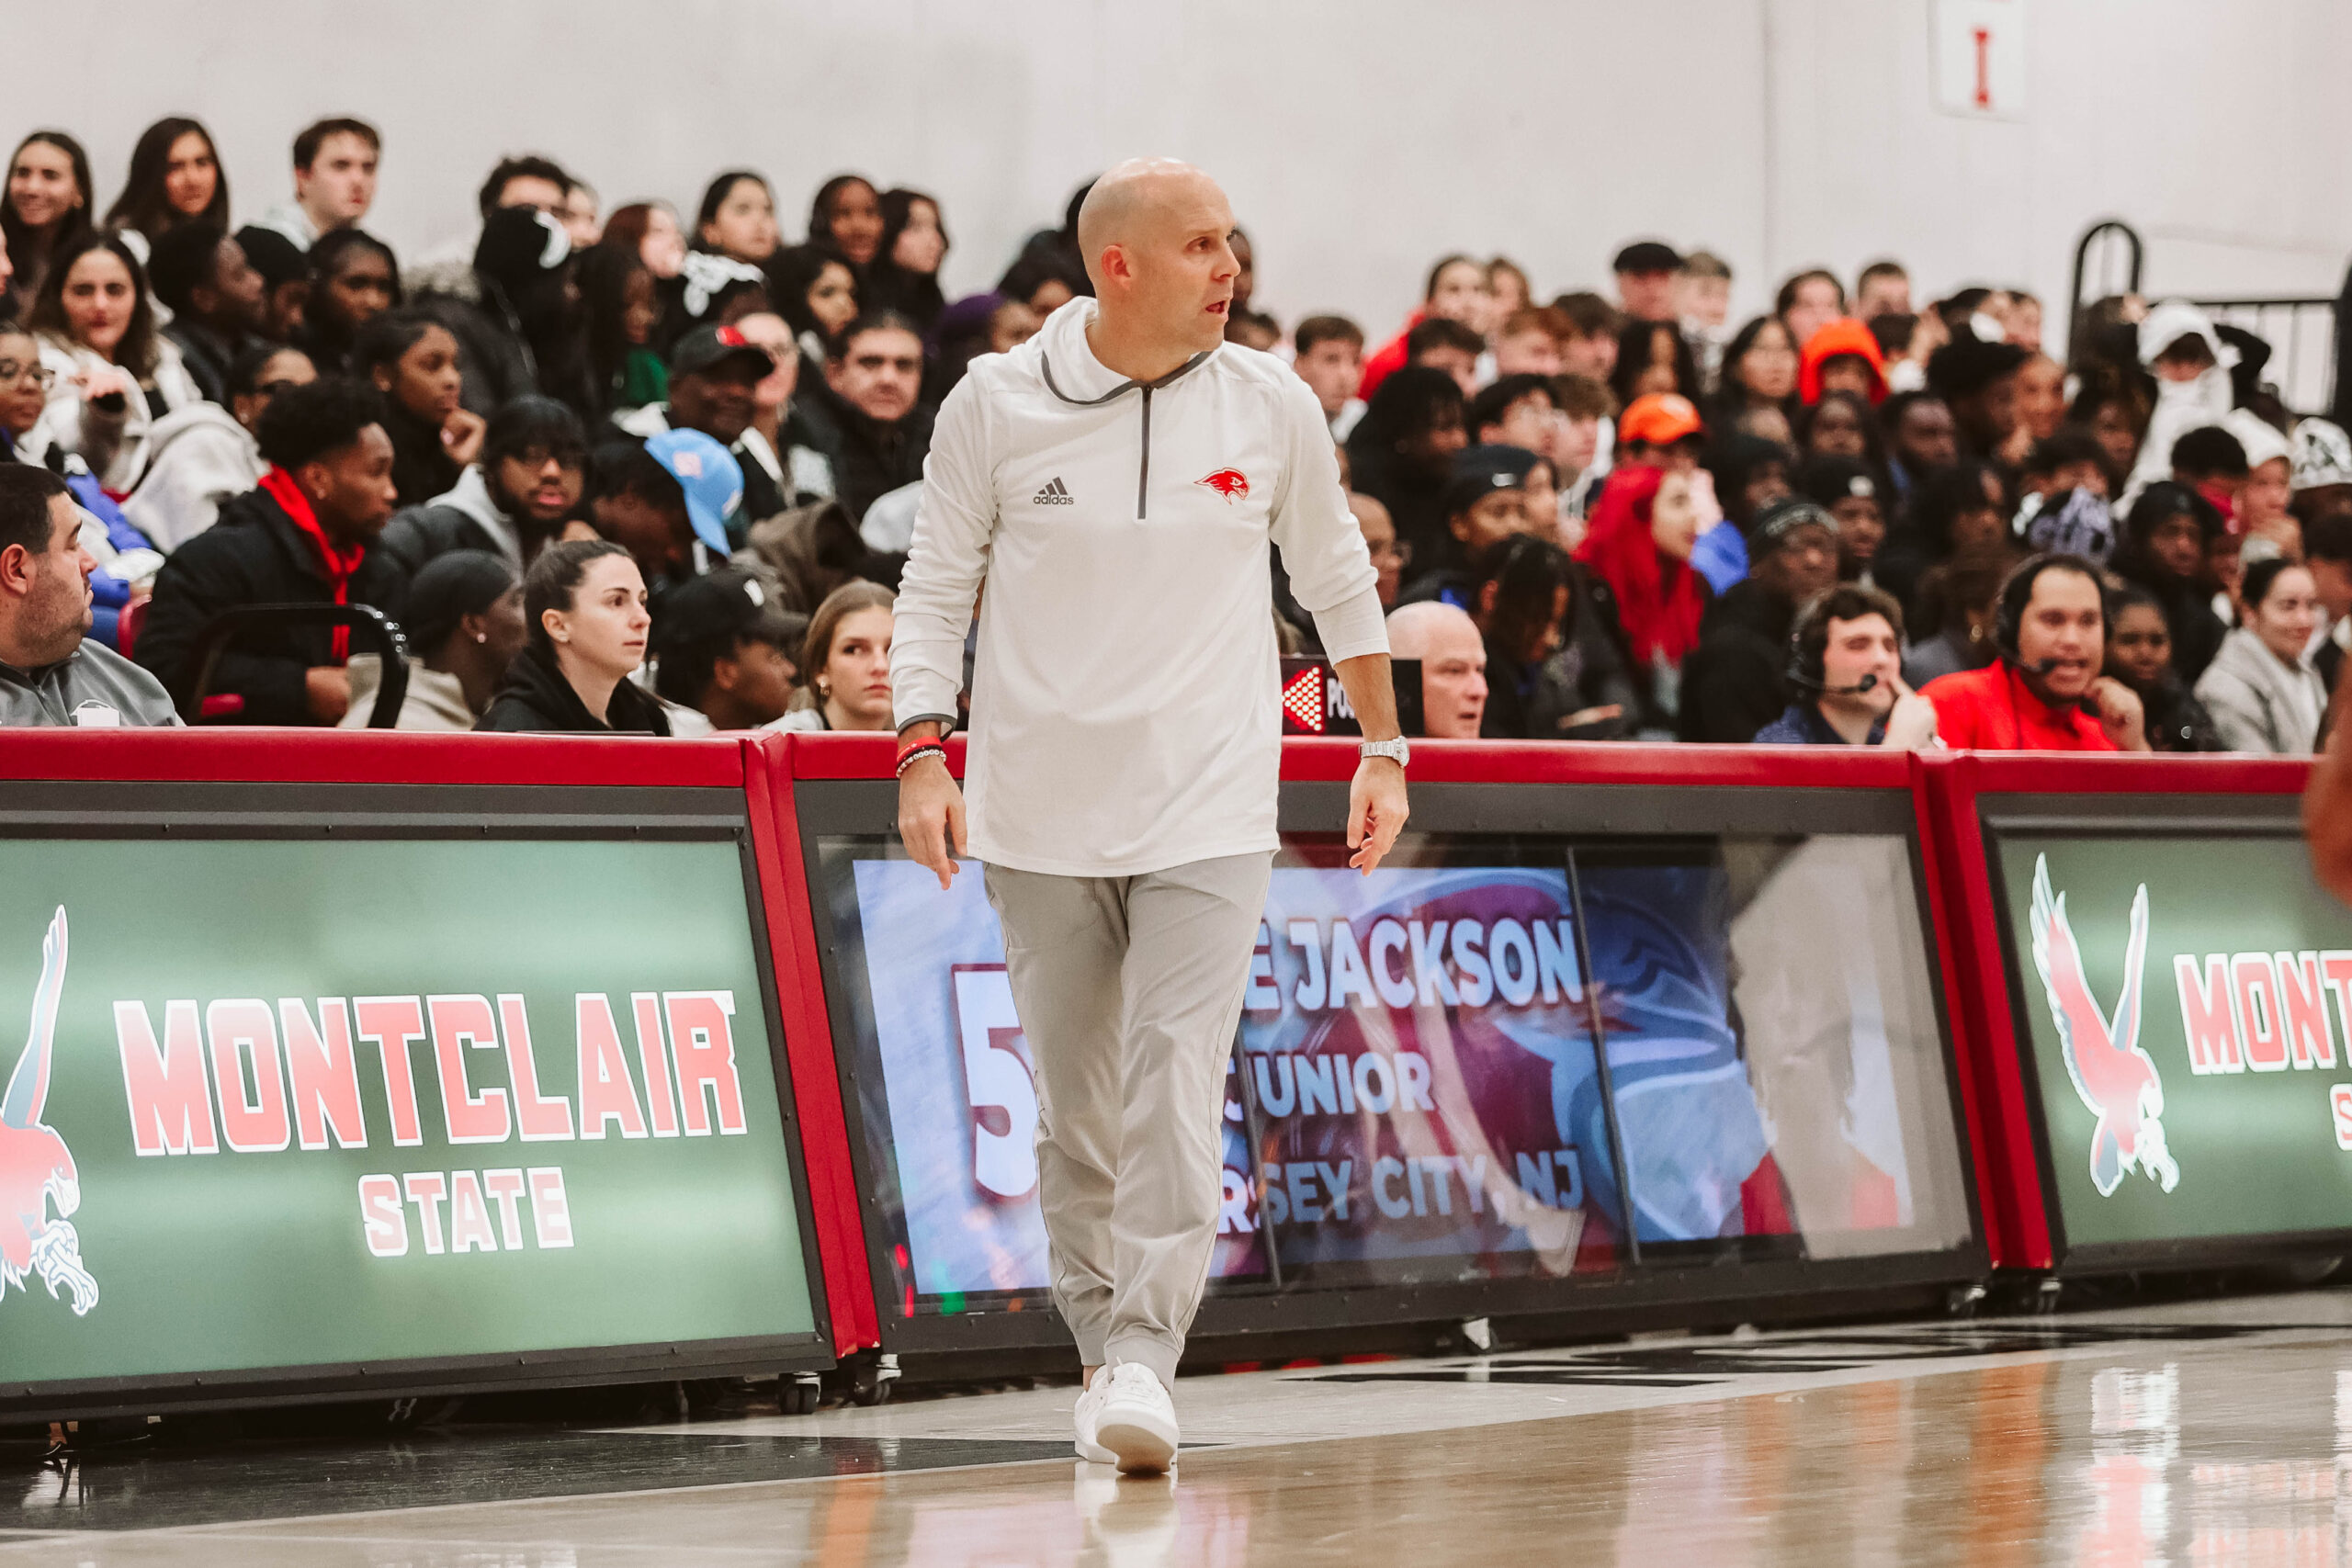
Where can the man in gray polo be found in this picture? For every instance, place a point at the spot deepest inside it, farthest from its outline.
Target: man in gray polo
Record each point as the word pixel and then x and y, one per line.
pixel 1117 484
pixel 49 674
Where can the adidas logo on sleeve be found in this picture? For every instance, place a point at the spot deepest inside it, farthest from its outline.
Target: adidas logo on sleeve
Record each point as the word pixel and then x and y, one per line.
pixel 1055 494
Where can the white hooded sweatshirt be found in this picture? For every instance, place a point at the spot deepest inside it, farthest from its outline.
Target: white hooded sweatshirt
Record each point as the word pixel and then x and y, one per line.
pixel 198 456
pixel 2181 406
pixel 61 421
pixel 1125 693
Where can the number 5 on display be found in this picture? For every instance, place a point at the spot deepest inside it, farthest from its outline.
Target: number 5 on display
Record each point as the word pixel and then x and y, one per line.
pixel 996 1079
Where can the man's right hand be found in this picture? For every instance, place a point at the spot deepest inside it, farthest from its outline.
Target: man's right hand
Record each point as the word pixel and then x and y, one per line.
pixel 931 816
pixel 2119 714
pixel 327 691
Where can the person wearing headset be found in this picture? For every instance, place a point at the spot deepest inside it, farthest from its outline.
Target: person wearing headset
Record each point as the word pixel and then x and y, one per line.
pixel 2044 692
pixel 1846 664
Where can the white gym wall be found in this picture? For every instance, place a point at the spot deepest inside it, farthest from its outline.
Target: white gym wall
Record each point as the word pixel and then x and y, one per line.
pixel 1358 139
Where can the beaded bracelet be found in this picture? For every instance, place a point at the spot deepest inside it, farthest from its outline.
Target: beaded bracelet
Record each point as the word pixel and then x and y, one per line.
pixel 916 752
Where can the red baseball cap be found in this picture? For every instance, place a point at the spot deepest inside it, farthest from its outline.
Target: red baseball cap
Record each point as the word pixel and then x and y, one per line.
pixel 1660 419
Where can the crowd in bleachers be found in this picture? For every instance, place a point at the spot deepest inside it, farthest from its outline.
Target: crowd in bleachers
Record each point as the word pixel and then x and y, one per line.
pixel 644 470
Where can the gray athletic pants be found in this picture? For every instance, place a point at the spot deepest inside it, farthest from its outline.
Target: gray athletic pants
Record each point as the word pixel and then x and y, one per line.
pixel 1129 989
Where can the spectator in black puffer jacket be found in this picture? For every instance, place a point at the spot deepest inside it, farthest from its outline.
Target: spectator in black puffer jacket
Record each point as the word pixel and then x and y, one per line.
pixel 306 536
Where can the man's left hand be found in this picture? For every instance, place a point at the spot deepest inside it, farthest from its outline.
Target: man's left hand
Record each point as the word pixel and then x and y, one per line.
pixel 1377 811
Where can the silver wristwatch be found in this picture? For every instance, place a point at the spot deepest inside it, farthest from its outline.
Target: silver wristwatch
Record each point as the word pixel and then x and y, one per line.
pixel 1395 751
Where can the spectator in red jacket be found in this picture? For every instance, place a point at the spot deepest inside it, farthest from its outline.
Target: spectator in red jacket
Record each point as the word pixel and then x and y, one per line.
pixel 2045 693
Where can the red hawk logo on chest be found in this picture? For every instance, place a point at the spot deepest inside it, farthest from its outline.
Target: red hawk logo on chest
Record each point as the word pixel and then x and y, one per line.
pixel 1230 483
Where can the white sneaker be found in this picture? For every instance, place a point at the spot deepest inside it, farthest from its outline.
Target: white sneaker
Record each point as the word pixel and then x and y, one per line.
pixel 1088 1411
pixel 1136 1420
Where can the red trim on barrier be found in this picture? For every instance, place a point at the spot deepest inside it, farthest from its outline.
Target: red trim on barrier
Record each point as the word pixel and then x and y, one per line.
pixel 1514 762
pixel 2008 1176
pixel 1955 945
pixel 2028 773
pixel 368 756
pixel 840 755
pixel 808 1041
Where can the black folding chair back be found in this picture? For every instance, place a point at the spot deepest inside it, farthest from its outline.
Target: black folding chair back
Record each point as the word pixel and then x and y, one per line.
pixel 368 624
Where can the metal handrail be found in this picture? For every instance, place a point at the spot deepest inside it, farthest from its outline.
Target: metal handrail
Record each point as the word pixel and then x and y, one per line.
pixel 2292 344
pixel 2266 302
pixel 367 621
pixel 2077 304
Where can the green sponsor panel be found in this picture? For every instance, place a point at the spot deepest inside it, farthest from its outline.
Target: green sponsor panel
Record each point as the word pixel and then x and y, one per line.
pixel 273 1256
pixel 2217 1112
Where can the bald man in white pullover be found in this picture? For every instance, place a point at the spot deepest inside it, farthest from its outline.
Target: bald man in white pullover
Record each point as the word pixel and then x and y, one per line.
pixel 1115 484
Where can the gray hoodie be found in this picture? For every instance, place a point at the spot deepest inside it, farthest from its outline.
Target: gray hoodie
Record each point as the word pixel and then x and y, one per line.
pixel 2258 704
pixel 470 495
pixel 91 688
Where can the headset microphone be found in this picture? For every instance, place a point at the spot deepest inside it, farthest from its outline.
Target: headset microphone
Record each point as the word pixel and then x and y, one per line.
pixel 1804 683
pixel 2038 667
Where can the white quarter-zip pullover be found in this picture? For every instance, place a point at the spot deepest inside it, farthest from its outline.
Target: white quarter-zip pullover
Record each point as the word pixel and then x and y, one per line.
pixel 1126 697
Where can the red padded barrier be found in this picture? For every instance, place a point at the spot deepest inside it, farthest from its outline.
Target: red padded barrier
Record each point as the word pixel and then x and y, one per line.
pixel 2017 1219
pixel 1956 945
pixel 2017 1225
pixel 805 756
pixel 1945 788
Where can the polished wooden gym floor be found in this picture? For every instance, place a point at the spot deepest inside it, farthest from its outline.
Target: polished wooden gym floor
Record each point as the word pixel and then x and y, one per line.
pixel 2210 1433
